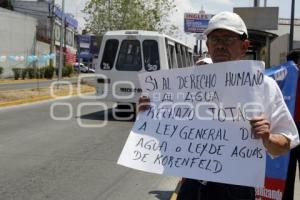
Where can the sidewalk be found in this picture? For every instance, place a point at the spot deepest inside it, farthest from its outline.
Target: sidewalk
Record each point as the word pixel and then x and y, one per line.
pixel 28 91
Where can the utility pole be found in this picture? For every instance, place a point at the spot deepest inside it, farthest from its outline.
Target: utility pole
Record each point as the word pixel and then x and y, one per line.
pixel 292 26
pixel 256 3
pixel 109 17
pixel 61 53
pixel 52 21
pixel 78 53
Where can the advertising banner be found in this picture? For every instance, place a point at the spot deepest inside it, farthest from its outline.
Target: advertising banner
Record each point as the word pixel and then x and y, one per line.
pixel 196 22
pixel 286 76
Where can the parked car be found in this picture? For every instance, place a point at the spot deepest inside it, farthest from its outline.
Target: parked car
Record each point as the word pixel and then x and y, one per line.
pixel 91 70
pixel 83 68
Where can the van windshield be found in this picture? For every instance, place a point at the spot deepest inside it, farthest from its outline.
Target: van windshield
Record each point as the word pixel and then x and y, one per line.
pixel 151 55
pixel 129 58
pixel 109 54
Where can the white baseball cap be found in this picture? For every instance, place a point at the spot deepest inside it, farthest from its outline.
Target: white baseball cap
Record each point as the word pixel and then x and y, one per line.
pixel 228 21
pixel 205 60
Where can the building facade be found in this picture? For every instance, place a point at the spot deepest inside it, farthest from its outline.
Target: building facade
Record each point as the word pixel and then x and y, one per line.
pixel 280 45
pixel 43 11
pixel 88 49
pixel 18 40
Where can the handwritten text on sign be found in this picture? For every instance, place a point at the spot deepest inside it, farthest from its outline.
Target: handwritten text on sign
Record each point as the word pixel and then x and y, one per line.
pixel 197 125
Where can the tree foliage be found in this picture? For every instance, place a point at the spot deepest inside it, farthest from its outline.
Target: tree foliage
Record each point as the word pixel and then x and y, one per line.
pixel 152 15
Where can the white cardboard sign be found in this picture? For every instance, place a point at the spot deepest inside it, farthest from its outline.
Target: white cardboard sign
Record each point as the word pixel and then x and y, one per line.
pixel 197 126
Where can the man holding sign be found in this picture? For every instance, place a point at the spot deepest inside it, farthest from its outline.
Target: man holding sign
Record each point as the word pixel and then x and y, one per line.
pixel 223 147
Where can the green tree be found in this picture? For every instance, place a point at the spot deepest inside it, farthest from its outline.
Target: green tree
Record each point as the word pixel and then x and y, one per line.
pixel 152 15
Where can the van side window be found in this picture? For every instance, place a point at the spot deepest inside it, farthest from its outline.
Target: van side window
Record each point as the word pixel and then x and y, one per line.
pixel 189 55
pixel 183 56
pixel 109 54
pixel 151 55
pixel 178 55
pixel 129 58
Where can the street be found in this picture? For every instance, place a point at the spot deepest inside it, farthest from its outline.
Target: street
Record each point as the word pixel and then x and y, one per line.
pixel 46 158
pixel 43 158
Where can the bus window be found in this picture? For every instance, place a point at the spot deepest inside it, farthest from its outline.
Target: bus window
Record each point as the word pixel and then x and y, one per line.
pixel 129 58
pixel 109 54
pixel 151 55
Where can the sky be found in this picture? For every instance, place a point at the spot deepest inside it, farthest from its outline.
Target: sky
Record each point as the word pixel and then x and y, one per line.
pixel 194 6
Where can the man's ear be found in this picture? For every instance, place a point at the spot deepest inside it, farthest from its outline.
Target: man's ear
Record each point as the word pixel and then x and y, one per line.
pixel 207 46
pixel 246 44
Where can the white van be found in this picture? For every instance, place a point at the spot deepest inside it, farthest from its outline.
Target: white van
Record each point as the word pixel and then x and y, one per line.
pixel 124 54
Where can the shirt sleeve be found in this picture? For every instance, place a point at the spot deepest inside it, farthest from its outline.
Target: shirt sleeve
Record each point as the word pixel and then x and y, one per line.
pixel 280 118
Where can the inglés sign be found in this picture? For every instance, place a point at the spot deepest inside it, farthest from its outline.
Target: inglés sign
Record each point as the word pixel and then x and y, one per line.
pixel 196 22
pixel 197 126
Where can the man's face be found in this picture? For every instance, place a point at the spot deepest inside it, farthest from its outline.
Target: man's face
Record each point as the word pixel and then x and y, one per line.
pixel 225 45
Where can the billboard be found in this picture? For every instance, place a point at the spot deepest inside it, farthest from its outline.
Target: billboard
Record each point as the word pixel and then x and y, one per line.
pixel 259 18
pixel 286 76
pixel 196 22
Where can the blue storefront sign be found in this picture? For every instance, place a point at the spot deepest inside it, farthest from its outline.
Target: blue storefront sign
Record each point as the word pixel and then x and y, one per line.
pixel 84 39
pixel 69 19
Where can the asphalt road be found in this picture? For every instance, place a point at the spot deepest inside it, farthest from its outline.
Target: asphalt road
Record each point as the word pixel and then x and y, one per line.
pixel 43 158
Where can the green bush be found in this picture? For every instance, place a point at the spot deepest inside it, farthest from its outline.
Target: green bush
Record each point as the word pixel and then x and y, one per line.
pixel 1 70
pixel 66 71
pixel 70 68
pixel 31 73
pixel 17 73
pixel 49 72
pixel 23 73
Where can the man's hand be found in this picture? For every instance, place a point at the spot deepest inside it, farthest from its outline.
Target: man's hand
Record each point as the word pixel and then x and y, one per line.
pixel 260 127
pixel 144 104
pixel 275 143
